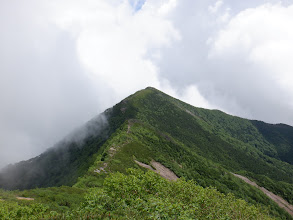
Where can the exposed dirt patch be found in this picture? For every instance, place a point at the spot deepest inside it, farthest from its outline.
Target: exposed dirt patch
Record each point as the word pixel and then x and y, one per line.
pixel 246 180
pixel 159 169
pixel 112 151
pixel 164 171
pixel 144 165
pixel 279 200
pixel 130 123
pixel 24 198
pixel 123 110
pixel 189 112
pixel 101 169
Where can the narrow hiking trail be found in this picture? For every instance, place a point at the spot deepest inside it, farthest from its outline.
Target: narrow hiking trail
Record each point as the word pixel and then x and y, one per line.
pixel 279 200
pixel 25 198
pixel 112 151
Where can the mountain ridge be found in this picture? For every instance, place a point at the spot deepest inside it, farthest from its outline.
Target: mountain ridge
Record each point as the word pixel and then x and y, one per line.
pixel 195 143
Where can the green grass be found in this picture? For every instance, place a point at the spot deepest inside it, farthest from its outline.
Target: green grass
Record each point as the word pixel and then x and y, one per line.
pixel 197 144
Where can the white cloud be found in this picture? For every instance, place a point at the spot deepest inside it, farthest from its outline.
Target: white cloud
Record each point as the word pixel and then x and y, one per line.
pixel 113 44
pixel 44 91
pixel 262 37
pixel 238 57
pixel 215 7
pixel 62 62
pixel 192 96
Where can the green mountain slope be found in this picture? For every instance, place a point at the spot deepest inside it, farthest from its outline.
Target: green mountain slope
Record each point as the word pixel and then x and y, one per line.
pixel 60 165
pixel 280 136
pixel 195 143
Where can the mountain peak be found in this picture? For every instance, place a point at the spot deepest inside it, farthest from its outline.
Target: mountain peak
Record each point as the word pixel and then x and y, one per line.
pixel 194 143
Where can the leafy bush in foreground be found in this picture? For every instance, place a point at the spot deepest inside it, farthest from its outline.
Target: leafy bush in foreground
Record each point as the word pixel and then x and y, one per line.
pixel 15 211
pixel 148 196
pixel 140 195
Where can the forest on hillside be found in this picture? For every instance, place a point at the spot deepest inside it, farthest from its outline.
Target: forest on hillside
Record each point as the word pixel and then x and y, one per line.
pixel 99 177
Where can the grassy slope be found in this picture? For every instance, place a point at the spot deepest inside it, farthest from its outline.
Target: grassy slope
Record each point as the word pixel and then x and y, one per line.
pixel 145 143
pixel 231 141
pixel 138 195
pixel 68 160
pixel 141 195
pixel 280 136
pixel 195 143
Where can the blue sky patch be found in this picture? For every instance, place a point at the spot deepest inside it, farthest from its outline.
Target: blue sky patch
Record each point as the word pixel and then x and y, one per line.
pixel 137 4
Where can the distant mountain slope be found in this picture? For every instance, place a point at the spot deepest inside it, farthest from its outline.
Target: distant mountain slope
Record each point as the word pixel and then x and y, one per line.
pixel 280 136
pixel 231 141
pixel 62 164
pixel 68 159
pixel 195 143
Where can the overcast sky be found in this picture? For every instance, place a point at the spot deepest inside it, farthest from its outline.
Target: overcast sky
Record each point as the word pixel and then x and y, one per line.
pixel 64 61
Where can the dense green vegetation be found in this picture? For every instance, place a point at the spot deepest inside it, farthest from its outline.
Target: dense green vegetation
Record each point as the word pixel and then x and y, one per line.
pixel 202 146
pixel 142 195
pixel 47 202
pixel 144 143
pixel 280 136
pixel 228 140
pixel 148 196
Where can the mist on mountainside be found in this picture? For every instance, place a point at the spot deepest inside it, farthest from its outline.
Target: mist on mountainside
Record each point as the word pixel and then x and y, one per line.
pixel 206 146
pixel 62 63
pixel 57 160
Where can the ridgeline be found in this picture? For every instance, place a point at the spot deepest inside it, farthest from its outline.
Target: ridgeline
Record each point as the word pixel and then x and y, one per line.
pixel 104 173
